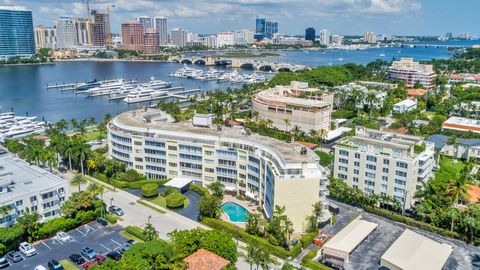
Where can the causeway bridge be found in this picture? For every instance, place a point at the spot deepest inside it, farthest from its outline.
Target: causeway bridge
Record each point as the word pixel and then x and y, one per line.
pixel 244 63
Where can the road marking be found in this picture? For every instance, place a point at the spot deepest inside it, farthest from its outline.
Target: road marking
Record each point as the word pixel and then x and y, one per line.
pixel 46 245
pixel 119 245
pixel 105 247
pixel 89 228
pixel 80 232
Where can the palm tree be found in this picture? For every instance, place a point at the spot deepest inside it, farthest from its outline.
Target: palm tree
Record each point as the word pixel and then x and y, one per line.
pixel 323 134
pixel 78 180
pixel 371 98
pixel 264 259
pixel 458 189
pixel 94 190
pixel 4 210
pixel 250 257
pixel 80 151
pixel 255 115
pixel 50 160
pixel 269 123
pixel 69 150
pixel 287 124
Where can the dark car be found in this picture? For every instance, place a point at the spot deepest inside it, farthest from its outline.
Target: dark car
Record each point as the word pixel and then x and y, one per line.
pixel 54 265
pixel 102 221
pixel 114 255
pixel 130 242
pixel 89 253
pixel 3 262
pixel 77 259
pixel 99 259
pixel 116 210
pixel 14 256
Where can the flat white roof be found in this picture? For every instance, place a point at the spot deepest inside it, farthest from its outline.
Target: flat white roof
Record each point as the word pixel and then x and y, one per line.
pixel 412 251
pixel 15 8
pixel 406 102
pixel 333 134
pixel 462 121
pixel 179 182
pixel 351 236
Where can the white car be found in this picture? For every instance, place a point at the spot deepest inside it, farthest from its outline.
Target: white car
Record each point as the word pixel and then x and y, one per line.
pixel 40 267
pixel 27 249
pixel 63 236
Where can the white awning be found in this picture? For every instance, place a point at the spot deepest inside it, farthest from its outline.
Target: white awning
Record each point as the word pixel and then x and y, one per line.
pixel 179 182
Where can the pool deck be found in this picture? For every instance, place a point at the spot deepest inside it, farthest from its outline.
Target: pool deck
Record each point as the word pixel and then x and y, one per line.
pixel 249 205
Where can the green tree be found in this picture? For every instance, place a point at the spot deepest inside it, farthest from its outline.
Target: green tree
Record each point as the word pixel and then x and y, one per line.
pixel 78 180
pixel 209 206
pixel 217 188
pixel 29 223
pixel 150 233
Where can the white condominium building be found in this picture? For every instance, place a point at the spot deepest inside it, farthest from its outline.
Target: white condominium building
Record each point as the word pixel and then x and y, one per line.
pixel 291 102
pixel 411 72
pixel 270 171
pixel 66 33
pixel 384 163
pixel 24 186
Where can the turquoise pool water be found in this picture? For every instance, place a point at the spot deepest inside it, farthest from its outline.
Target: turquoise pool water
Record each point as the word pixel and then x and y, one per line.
pixel 235 212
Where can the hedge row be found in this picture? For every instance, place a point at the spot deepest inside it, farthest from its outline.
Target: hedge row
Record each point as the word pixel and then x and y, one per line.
pixel 199 189
pixel 128 185
pixel 247 238
pixel 412 222
pixel 135 231
pixel 307 239
pixel 111 218
pixel 307 261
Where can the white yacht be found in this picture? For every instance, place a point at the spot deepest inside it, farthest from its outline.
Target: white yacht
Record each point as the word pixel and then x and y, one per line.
pixel 143 94
pixel 157 84
pixel 105 89
pixel 12 127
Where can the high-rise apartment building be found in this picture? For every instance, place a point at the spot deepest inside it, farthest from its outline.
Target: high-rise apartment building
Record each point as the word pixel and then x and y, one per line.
pixel 370 37
pixel 132 36
pixel 45 37
pixel 267 170
pixel 160 24
pixel 178 37
pixel 146 21
pixel 412 72
pixel 100 29
pixel 151 42
pixel 16 32
pixel 324 37
pixel 243 37
pixel 384 163
pixel 225 39
pixel 266 28
pixel 66 33
pixel 307 108
pixel 84 31
pixel 310 34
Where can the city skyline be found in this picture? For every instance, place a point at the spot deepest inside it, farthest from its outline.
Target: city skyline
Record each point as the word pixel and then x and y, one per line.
pixel 399 17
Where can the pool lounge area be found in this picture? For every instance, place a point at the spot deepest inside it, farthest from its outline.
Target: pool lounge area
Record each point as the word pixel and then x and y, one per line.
pixel 235 212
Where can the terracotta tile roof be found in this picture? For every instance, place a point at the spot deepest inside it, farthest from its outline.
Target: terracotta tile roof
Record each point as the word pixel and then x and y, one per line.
pixel 456 76
pixel 203 259
pixel 402 130
pixel 474 194
pixel 307 144
pixel 416 92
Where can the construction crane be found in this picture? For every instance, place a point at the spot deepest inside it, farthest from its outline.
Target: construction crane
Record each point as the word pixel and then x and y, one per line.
pixel 108 34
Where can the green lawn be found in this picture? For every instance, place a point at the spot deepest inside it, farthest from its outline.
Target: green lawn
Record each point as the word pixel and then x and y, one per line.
pixel 142 202
pixel 451 162
pixel 68 265
pixel 91 136
pixel 162 201
pixel 129 236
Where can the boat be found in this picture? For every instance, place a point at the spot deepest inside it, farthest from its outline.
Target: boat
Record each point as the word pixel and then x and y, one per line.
pixel 340 59
pixel 143 94
pixel 157 84
pixel 106 88
pixel 382 55
pixel 13 127
pixel 91 84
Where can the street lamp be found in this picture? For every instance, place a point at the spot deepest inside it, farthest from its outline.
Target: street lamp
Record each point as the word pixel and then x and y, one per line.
pixel 149 217
pixel 111 201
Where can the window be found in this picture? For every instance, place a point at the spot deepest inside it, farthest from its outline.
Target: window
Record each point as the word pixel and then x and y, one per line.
pixel 243 176
pixel 33 199
pixel 386 162
pixel 60 190
pixel 372 158
pixel 371 175
pixel 401 174
pixel 154 152
pixel 139 159
pixel 153 143
pixel 191 157
pixel 208 153
pixel 138 143
pixel 356 171
pixel 242 167
pixel 342 176
pixel 385 170
pixel 19 203
pixel 209 178
pixel 371 167
pixel 172 147
pixel 343 153
pixel 172 164
pixel 402 165
pixel 172 155
pixel 385 178
pixel 209 170
pixel 342 160
pixel 209 161
pixel 155 168
pixel 399 190
pixel 34 208
pixel 356 164
pixel 155 160
pixel 357 155
pixel 225 162
pixel 138 167
pixel 400 182
pixel 172 172
pixel 355 179
pixel 188 148
pixel 342 168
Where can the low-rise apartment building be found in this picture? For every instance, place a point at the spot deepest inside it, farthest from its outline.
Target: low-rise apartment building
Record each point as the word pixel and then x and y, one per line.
pixel 267 170
pixel 24 186
pixel 463 148
pixel 462 124
pixel 404 106
pixel 385 163
pixel 412 72
pixel 307 108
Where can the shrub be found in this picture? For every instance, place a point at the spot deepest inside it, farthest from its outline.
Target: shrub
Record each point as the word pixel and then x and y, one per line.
pixel 150 190
pixel 139 184
pixel 84 217
pixel 52 226
pixel 131 176
pixel 199 189
pixel 307 239
pixel 342 114
pixel 307 261
pixel 11 236
pixel 245 237
pixel 3 249
pixel 111 218
pixel 168 191
pixel 325 159
pixel 135 231
pixel 175 200
pixel 101 177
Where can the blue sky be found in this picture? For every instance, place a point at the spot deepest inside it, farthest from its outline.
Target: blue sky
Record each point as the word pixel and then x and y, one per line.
pixel 418 17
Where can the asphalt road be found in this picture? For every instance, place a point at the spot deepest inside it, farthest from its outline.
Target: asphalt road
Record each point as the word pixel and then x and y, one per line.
pixel 99 238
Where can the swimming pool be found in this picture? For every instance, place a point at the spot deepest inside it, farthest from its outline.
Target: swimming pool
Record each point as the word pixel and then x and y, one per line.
pixel 235 212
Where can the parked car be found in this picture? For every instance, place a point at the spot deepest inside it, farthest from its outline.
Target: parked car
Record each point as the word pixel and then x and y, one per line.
pixel 130 242
pixel 54 265
pixel 63 236
pixel 40 267
pixel 77 259
pixel 3 262
pixel 14 256
pixel 116 210
pixel 102 221
pixel 27 249
pixel 123 249
pixel 114 255
pixel 88 265
pixel 99 259
pixel 89 253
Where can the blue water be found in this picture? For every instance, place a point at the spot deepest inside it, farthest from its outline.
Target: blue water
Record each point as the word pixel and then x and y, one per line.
pixel 235 212
pixel 22 88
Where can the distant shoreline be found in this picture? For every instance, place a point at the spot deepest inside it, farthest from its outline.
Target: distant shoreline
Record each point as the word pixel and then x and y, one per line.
pixel 26 64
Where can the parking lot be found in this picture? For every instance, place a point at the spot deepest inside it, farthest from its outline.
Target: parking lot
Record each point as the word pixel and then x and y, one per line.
pixel 99 238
